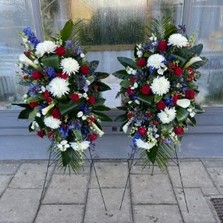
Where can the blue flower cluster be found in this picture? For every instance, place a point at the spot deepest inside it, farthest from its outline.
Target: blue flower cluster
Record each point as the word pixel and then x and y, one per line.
pixel 31 36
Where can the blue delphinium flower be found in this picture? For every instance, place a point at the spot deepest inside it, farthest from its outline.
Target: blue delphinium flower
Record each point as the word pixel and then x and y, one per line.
pixel 84 108
pixel 64 131
pixel 31 36
pixel 34 90
pixel 50 72
pixel 136 136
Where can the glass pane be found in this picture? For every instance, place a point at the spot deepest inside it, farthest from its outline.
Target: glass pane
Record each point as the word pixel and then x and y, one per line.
pixel 14 16
pixel 206 19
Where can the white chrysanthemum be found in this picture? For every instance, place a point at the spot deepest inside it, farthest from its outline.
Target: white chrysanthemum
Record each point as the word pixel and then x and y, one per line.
pixel 178 40
pixel 156 61
pixel 69 65
pixel 145 145
pixel 52 122
pixel 63 145
pixel 45 47
pixel 80 146
pixel 167 115
pixel 160 86
pixel 58 87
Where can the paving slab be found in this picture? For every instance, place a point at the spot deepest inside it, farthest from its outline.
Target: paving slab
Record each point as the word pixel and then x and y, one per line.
pixel 19 205
pixel 157 213
pixel 216 174
pixel 154 189
pixel 67 189
pixel 95 212
pixel 193 175
pixel 4 180
pixel 84 170
pixel 9 167
pixel 137 169
pixel 199 209
pixel 60 214
pixel 30 175
pixel 213 162
pixel 110 174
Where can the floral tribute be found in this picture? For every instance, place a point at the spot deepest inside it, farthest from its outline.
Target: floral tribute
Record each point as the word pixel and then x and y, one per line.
pixel 64 100
pixel 158 91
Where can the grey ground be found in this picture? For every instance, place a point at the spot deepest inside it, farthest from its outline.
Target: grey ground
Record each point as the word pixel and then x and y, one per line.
pixel 76 198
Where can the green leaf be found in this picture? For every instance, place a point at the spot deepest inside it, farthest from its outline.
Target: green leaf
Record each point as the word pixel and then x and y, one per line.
pixel 152 153
pixel 23 105
pixel 127 62
pixel 199 109
pixel 191 121
pixel 99 101
pixel 121 118
pixel 24 114
pixel 102 116
pixel 102 86
pixel 181 114
pixel 32 114
pixel 67 108
pixel 101 75
pixel 65 157
pixel 51 61
pixel 200 63
pixel 146 99
pixel 101 108
pixel 78 134
pixel 67 30
pixel 122 74
pixel 94 64
pixel 125 83
pixel 157 98
pixel 180 58
pixel 197 49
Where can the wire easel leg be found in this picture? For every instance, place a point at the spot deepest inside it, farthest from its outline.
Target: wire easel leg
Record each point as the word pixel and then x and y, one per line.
pixel 181 179
pixel 98 182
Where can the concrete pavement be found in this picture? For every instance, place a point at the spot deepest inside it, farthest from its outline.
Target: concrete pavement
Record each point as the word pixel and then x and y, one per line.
pixel 76 198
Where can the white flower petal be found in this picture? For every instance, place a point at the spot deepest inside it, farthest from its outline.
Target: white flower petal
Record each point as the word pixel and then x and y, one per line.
pixel 178 40
pixel 52 122
pixel 184 103
pixel 160 86
pixel 80 146
pixel 69 65
pixel 145 145
pixel 192 61
pixel 156 61
pixel 45 47
pixel 167 115
pixel 46 109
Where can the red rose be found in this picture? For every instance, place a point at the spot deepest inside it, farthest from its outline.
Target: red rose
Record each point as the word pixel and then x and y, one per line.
pixel 33 104
pixel 92 100
pixel 62 75
pixel 47 97
pixel 85 69
pixel 132 80
pixel 162 45
pixel 190 94
pixel 179 130
pixel 160 105
pixel 60 51
pixel 56 113
pixel 175 98
pixel 142 130
pixel 141 62
pixel 92 137
pixel 41 133
pixel 130 115
pixel 75 97
pixel 36 75
pixel 178 71
pixel 129 91
pixel 146 89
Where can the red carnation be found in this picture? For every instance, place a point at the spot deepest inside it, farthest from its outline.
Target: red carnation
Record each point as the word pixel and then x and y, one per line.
pixel 47 97
pixel 149 114
pixel 178 71
pixel 92 100
pixel 146 89
pixel 175 98
pixel 41 133
pixel 179 130
pixel 75 97
pixel 36 75
pixel 142 130
pixel 132 80
pixel 162 45
pixel 92 137
pixel 56 113
pixel 130 115
pixel 172 65
pixel 33 104
pixel 62 75
pixel 129 91
pixel 191 76
pixel 141 62
pixel 85 69
pixel 60 51
pixel 190 94
pixel 160 105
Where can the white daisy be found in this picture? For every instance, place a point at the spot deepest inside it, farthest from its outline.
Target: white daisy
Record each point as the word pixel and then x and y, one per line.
pixel 45 47
pixel 69 65
pixel 167 115
pixel 80 146
pixel 156 61
pixel 58 87
pixel 160 86
pixel 52 122
pixel 178 40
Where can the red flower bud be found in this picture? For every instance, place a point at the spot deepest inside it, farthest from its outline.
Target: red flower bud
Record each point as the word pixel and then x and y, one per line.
pixel 175 98
pixel 85 69
pixel 178 71
pixel 141 62
pixel 130 115
pixel 47 97
pixel 162 45
pixel 190 94
pixel 179 130
pixel 132 80
pixel 129 91
pixel 146 89
pixel 41 133
pixel 149 114
pixel 75 97
pixel 92 137
pixel 92 119
pixel 36 75
pixel 60 51
pixel 56 113
pixel 142 130
pixel 62 75
pixel 191 76
pixel 91 100
pixel 172 65
pixel 160 105
pixel 33 104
